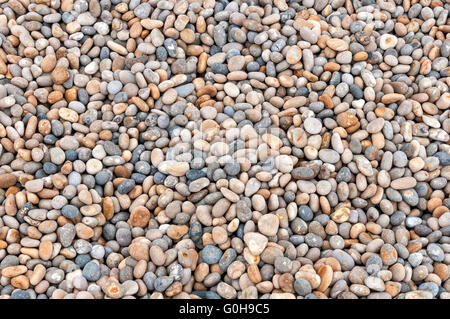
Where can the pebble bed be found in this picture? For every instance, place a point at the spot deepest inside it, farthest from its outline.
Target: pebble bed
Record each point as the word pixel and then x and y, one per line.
pixel 236 149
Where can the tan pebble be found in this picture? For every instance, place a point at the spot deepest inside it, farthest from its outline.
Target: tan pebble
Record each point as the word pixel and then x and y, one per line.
pixel 419 294
pixel 388 254
pixel 416 164
pixel 157 255
pixel 13 271
pixel 116 47
pixel 268 224
pixel 346 119
pixel 83 231
pixel 48 63
pixel 177 231
pixel 21 282
pixel 230 195
pixel 37 275
pixel 151 24
pixel 113 289
pixel 60 74
pixel 273 141
pixel 68 114
pixel 139 217
pixel 220 235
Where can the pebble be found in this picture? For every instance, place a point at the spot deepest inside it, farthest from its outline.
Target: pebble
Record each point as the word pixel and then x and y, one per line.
pixel 312 125
pixel 211 254
pixel 91 271
pixel 255 242
pixel 302 287
pixel 268 225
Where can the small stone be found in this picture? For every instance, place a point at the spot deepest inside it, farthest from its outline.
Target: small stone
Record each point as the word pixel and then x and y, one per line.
pixel 435 252
pixel 211 254
pixel 293 55
pixel 91 271
pixel 7 180
pixel 70 211
pixel 255 242
pixel 404 183
pixel 337 45
pixel 268 225
pixel 140 217
pixel 302 287
pixel 35 185
pixel 312 125
pixel 388 41
pixel 173 168
pixel 283 163
pixel 60 74
pixel 126 186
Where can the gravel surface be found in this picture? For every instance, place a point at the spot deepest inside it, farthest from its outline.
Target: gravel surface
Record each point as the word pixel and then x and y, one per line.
pixel 224 149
